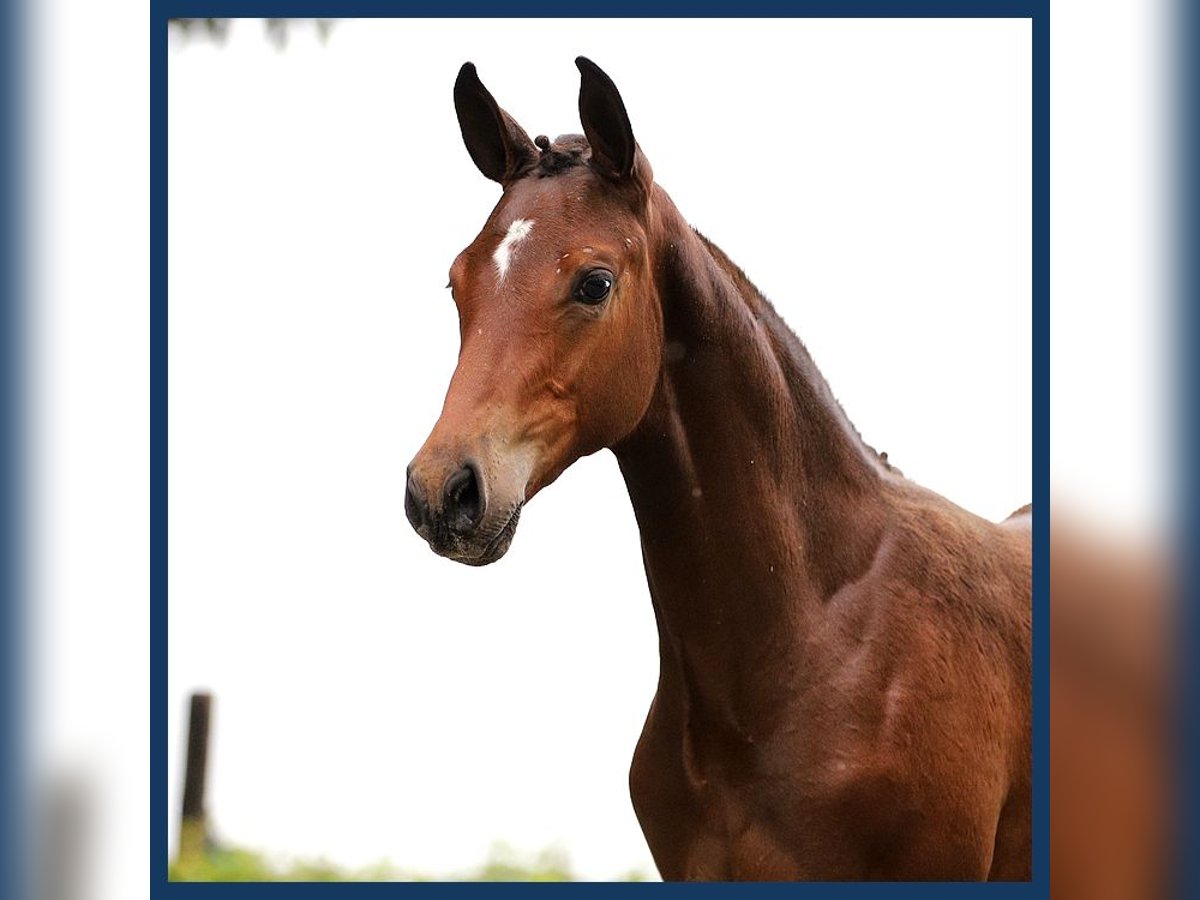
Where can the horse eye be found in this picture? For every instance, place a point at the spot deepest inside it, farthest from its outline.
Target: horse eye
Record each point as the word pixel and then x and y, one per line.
pixel 595 287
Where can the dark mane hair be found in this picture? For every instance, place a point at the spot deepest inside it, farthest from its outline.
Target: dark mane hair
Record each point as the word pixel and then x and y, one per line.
pixel 799 368
pixel 567 152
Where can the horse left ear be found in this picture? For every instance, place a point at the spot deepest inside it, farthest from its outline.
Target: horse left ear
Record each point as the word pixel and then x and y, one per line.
pixel 499 146
pixel 606 125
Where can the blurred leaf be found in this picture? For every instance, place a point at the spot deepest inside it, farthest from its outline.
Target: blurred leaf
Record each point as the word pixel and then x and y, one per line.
pixel 503 864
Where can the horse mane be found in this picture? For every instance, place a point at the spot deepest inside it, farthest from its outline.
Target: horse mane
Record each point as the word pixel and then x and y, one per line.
pixel 797 363
pixel 568 151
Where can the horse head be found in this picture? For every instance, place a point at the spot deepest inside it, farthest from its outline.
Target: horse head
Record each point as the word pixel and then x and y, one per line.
pixel 559 321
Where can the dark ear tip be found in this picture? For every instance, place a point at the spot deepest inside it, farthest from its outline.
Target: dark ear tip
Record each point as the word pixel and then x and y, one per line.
pixel 586 67
pixel 467 71
pixel 593 76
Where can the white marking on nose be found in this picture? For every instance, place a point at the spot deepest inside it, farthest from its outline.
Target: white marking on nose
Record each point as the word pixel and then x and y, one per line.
pixel 517 232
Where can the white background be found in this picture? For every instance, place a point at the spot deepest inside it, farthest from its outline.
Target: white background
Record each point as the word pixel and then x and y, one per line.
pixel 318 340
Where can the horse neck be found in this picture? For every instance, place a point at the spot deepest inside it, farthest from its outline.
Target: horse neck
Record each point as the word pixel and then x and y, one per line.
pixel 755 497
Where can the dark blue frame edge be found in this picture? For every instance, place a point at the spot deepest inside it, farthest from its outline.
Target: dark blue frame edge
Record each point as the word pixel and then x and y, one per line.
pixel 1041 448
pixel 158 447
pixel 1035 10
pixel 14 800
pixel 1186 520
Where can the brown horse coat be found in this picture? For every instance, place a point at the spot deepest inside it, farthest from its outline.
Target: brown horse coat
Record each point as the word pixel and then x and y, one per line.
pixel 844 689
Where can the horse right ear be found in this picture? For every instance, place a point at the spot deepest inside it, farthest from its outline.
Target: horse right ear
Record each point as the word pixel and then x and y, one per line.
pixel 498 145
pixel 615 154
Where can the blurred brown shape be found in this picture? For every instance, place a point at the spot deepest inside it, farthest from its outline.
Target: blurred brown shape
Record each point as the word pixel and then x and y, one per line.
pixel 193 827
pixel 1111 766
pixel 64 862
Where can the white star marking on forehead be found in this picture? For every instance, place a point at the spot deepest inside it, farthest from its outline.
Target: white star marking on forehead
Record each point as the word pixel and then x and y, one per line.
pixel 517 232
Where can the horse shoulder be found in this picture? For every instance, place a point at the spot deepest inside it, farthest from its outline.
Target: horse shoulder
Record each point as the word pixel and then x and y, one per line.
pixel 936 653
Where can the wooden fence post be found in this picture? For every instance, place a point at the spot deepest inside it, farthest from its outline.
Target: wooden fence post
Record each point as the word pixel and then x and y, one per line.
pixel 193 830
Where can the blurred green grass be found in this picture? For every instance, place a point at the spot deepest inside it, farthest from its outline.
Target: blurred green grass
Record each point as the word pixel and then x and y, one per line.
pixel 225 863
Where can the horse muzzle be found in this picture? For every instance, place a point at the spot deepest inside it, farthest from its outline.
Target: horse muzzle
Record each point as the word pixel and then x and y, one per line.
pixel 458 522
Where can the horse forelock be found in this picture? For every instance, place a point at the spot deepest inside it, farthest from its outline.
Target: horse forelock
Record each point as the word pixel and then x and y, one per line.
pixel 566 152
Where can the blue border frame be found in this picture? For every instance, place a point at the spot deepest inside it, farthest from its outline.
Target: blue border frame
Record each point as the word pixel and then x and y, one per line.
pixel 14 867
pixel 158 447
pixel 1185 82
pixel 1038 11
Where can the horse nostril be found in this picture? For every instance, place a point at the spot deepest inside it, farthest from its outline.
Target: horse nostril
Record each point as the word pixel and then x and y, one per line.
pixel 415 506
pixel 464 499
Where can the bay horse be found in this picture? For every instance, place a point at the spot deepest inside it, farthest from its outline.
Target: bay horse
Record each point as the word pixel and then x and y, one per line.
pixel 844 687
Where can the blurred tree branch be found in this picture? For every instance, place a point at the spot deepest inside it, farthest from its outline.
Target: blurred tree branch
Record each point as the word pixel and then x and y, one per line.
pixel 277 31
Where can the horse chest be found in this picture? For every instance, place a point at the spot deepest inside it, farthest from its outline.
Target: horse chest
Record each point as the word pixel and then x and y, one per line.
pixel 703 831
pixel 711 812
pixel 773 810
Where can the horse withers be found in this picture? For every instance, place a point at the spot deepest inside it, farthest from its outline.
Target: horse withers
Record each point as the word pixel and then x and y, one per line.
pixel 844 687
